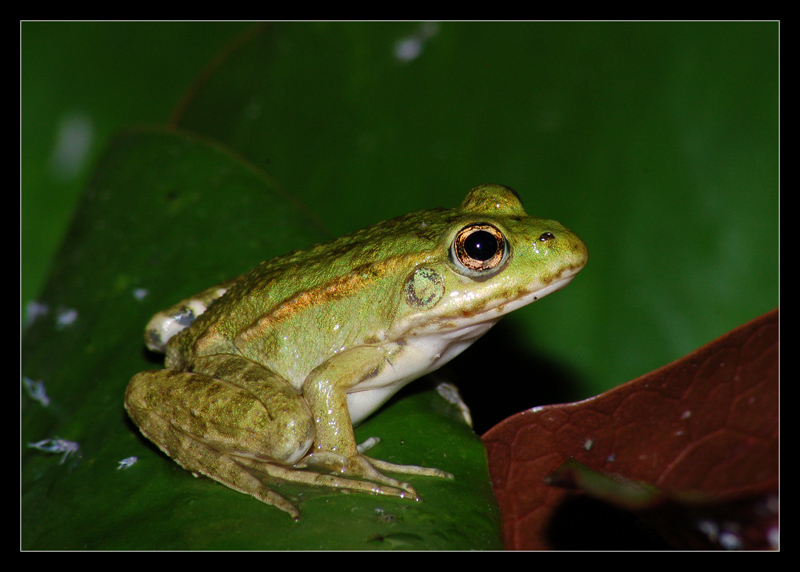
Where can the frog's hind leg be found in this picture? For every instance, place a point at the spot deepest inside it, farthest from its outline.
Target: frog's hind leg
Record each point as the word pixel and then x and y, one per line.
pixel 234 421
pixel 208 426
pixel 199 458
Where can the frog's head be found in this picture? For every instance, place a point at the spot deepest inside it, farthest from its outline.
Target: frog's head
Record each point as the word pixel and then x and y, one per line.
pixel 493 258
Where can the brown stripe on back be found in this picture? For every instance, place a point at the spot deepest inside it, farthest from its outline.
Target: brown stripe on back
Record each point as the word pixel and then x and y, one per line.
pixel 334 289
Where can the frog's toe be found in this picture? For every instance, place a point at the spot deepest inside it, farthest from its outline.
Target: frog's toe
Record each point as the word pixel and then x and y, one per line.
pixel 411 469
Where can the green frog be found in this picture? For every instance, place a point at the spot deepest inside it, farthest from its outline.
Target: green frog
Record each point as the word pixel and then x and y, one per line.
pixel 267 374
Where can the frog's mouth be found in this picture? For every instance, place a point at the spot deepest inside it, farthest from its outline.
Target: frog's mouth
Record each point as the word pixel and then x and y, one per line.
pixel 522 296
pixel 452 332
pixel 534 294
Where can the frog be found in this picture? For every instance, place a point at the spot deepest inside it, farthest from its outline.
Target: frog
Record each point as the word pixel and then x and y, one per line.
pixel 267 374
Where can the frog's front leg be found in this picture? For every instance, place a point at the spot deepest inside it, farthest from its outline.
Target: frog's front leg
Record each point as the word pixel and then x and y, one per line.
pixel 335 447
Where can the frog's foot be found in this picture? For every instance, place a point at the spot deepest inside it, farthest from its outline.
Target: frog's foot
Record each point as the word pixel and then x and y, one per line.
pixel 392 468
pixel 363 473
pixel 323 474
pixel 410 469
pixel 357 472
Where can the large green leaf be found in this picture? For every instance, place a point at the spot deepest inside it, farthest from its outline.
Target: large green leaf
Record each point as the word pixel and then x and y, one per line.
pixel 166 215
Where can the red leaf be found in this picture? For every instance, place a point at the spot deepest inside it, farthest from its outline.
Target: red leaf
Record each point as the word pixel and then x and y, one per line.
pixel 701 431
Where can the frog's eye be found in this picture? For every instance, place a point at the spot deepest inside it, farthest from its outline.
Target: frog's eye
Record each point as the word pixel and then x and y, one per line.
pixel 479 249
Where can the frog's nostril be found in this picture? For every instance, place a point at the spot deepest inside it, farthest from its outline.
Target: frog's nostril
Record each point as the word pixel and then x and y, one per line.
pixel 546 236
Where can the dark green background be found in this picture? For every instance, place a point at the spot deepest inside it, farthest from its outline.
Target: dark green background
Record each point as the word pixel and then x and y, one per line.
pixel 656 143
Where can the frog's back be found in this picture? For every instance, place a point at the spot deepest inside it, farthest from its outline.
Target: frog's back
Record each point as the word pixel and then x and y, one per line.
pixel 305 290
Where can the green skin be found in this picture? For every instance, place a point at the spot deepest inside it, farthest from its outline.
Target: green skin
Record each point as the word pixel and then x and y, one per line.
pixel 272 377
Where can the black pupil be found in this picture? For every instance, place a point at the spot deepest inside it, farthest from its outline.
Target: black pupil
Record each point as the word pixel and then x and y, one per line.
pixel 481 245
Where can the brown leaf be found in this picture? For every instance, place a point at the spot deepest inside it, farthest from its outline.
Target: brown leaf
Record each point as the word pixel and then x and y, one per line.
pixel 700 433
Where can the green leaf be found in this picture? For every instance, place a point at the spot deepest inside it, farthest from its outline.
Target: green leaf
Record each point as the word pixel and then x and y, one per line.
pixel 166 215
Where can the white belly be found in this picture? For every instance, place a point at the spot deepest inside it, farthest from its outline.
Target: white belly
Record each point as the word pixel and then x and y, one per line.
pixel 416 356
